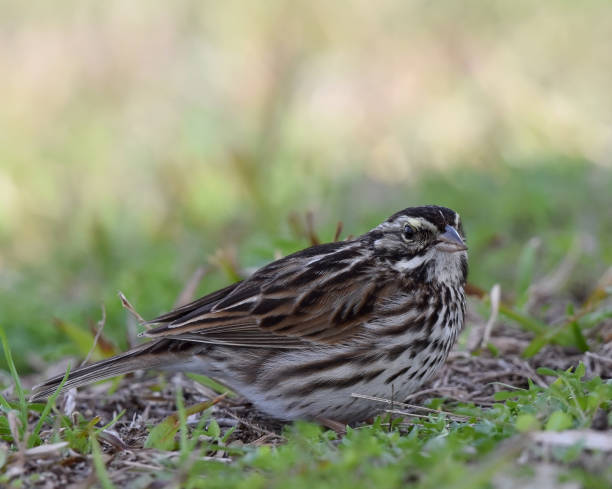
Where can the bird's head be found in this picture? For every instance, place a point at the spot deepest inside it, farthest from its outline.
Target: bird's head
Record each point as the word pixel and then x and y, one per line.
pixel 425 242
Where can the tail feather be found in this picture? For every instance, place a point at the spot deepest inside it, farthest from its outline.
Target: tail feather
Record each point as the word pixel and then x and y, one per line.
pixel 117 365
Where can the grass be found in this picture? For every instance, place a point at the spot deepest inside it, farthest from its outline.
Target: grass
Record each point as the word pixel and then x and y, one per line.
pixel 493 441
pixel 432 452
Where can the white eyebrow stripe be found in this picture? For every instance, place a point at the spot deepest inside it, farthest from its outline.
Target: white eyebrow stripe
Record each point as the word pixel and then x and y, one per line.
pixel 422 223
pixel 405 265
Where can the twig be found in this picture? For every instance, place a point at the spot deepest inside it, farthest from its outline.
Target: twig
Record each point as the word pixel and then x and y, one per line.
pixel 555 280
pixel 312 235
pixel 338 231
pixel 332 424
pixel 255 427
pixel 590 439
pixel 113 439
pixel 126 304
pixel 404 413
pixel 533 375
pixel 411 406
pixel 607 361
pixel 141 466
pixel 100 326
pixel 173 455
pixel 43 451
pixel 261 440
pixel 495 297
pixel 14 425
pixel 188 291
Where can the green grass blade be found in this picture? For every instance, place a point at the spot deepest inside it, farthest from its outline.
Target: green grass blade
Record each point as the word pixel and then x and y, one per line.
pixel 525 267
pixel 4 404
pixel 579 338
pixel 214 385
pixel 182 417
pixel 101 472
pixel 23 405
pixel 47 409
pixel 565 334
pixel 527 323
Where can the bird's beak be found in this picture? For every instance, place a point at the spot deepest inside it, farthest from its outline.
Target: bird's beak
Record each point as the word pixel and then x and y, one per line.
pixel 451 241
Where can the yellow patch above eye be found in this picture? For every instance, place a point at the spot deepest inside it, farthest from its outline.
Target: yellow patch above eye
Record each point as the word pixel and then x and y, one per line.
pixel 415 223
pixel 420 224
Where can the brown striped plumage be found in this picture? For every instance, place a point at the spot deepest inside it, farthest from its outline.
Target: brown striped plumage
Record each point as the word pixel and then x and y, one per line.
pixel 376 314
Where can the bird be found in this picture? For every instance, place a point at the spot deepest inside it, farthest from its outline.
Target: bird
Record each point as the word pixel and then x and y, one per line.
pixel 376 315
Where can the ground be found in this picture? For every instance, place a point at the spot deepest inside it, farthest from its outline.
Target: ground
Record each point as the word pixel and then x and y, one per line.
pixel 491 418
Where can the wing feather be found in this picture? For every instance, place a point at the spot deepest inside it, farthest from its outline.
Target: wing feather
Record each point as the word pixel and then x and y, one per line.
pixel 278 308
pixel 199 306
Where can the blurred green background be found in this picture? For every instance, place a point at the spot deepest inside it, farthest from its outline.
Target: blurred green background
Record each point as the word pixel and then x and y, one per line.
pixel 139 139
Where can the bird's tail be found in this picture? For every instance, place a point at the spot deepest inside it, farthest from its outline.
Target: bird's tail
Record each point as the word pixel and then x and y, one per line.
pixel 135 359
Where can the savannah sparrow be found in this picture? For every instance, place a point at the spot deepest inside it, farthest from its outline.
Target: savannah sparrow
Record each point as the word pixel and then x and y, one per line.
pixel 374 315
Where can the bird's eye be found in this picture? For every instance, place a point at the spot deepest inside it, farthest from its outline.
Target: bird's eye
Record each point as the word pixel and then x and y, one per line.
pixel 409 231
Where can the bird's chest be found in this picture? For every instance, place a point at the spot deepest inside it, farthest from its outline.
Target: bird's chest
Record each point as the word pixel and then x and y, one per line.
pixel 419 343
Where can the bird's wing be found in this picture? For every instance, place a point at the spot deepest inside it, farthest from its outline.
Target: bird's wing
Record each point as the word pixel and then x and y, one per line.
pixel 322 294
pixel 199 306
